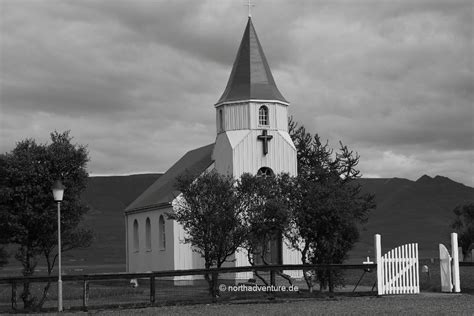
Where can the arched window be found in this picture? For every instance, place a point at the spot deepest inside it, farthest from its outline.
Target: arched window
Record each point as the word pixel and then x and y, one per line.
pixel 265 172
pixel 162 233
pixel 148 233
pixel 136 243
pixel 263 115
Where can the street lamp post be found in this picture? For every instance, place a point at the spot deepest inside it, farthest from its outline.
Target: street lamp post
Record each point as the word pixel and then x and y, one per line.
pixel 58 191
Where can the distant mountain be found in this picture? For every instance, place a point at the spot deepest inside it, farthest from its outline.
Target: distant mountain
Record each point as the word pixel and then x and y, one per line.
pixel 107 198
pixel 412 211
pixel 407 211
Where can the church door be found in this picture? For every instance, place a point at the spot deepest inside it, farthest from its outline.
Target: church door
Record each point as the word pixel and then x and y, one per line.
pixel 273 254
pixel 276 255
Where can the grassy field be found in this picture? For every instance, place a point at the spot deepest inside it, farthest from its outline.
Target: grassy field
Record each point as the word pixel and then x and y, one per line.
pixel 421 304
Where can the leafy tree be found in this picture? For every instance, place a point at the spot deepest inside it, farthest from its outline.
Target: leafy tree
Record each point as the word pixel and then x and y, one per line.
pixel 266 215
pixel 327 203
pixel 3 257
pixel 210 214
pixel 464 226
pixel 28 214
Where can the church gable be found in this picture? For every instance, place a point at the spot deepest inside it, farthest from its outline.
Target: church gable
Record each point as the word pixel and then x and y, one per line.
pixel 249 154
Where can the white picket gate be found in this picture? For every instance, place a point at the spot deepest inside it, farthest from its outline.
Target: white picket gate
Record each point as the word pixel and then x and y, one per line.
pixel 397 270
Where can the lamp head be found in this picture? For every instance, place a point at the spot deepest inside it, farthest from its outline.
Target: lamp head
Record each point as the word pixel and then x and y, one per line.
pixel 58 191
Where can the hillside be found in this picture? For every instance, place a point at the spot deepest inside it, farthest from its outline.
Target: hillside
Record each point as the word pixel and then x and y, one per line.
pixel 412 211
pixel 107 198
pixel 407 211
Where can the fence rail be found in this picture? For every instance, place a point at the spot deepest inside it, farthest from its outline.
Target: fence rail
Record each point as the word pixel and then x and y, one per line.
pixel 152 276
pixel 171 273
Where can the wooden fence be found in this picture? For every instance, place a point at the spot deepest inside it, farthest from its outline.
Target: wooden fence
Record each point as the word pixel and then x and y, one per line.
pixel 151 276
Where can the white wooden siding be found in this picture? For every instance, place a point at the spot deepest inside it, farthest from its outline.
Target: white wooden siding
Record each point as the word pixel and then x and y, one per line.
pixel 222 154
pixel 248 154
pixel 244 115
pixel 184 256
pixel 281 117
pixel 236 117
pixel 291 256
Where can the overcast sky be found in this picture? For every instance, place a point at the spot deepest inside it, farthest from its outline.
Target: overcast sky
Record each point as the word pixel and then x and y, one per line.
pixel 137 80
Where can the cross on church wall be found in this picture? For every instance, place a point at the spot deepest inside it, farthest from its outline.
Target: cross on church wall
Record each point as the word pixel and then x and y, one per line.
pixel 265 139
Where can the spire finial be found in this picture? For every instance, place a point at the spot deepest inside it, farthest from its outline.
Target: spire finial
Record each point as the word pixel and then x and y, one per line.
pixel 250 4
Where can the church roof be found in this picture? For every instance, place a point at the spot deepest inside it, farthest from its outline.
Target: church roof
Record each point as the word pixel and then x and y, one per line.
pixel 251 78
pixel 163 191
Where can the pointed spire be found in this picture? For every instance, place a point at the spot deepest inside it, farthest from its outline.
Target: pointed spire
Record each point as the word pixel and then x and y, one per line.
pixel 251 78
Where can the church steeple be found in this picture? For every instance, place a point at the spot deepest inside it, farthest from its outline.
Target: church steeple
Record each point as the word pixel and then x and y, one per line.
pixel 251 78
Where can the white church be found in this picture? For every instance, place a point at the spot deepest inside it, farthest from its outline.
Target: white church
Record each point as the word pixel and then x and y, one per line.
pixel 252 136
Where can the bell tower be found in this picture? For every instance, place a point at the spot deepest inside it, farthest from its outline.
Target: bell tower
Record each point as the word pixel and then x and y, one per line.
pixel 252 117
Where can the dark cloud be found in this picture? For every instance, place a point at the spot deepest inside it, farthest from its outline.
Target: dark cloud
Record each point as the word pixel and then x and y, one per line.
pixel 137 80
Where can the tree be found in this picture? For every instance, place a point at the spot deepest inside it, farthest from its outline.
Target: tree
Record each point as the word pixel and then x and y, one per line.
pixel 464 226
pixel 327 203
pixel 28 214
pixel 265 215
pixel 3 257
pixel 209 211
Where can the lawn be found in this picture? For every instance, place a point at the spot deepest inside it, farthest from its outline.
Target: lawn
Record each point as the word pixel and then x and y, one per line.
pixel 421 304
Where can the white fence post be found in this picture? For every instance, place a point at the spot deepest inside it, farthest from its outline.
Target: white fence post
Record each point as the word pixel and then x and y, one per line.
pixel 455 252
pixel 378 260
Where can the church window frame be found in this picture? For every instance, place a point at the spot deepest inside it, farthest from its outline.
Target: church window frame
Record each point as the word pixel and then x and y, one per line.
pixel 221 119
pixel 265 172
pixel 161 233
pixel 148 234
pixel 136 236
pixel 263 116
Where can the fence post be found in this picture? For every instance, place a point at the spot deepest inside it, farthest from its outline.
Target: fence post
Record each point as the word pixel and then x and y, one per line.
pixel 152 289
pixel 14 295
pixel 455 251
pixel 272 277
pixel 85 294
pixel 378 261
pixel 215 289
pixel 331 285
